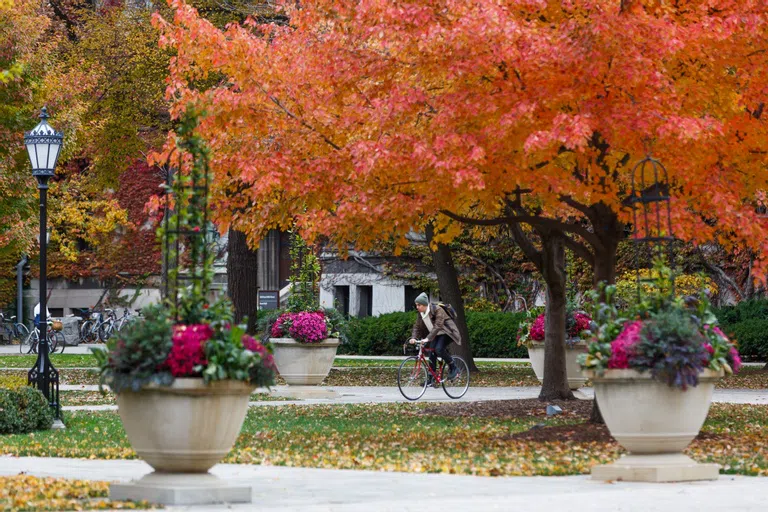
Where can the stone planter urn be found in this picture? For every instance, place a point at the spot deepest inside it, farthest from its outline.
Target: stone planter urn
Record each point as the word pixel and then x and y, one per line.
pixel 655 423
pixel 304 364
pixel 576 378
pixel 182 431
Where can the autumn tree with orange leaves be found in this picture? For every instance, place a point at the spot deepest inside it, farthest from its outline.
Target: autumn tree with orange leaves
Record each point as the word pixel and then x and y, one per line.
pixel 363 120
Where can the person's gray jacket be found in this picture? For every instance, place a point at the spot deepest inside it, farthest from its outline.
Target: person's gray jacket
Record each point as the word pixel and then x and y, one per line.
pixel 442 323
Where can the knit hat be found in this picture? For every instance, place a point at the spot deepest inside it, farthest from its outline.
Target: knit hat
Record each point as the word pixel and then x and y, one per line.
pixel 422 299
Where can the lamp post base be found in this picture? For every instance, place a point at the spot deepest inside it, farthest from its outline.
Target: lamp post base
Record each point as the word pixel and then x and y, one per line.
pixel 58 425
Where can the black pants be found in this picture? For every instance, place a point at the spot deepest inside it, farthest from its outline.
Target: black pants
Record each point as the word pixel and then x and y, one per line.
pixel 440 344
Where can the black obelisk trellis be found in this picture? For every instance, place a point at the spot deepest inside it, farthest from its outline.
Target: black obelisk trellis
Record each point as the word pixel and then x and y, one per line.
pixel 652 226
pixel 185 250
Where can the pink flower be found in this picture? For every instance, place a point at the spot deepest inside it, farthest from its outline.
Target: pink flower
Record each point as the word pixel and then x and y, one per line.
pixel 188 350
pixel 735 359
pixel 308 327
pixel 581 323
pixel 537 329
pixel 622 346
pixel 250 343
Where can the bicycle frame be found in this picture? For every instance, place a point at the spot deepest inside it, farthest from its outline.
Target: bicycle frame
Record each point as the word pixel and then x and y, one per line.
pixel 423 360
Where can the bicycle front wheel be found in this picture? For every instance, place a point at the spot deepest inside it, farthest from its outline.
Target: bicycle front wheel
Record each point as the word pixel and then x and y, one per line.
pixel 412 378
pixel 26 344
pixel 458 386
pixel 55 341
pixel 105 331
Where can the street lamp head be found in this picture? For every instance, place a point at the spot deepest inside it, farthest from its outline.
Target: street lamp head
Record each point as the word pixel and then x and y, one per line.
pixel 43 145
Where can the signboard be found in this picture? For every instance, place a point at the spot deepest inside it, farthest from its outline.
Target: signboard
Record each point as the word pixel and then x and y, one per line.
pixel 269 299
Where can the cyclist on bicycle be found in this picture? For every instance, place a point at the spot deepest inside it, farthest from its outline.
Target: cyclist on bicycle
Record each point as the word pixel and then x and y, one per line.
pixel 434 325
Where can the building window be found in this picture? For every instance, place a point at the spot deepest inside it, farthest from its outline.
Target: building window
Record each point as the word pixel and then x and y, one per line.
pixel 365 301
pixel 56 312
pixel 341 299
pixel 410 295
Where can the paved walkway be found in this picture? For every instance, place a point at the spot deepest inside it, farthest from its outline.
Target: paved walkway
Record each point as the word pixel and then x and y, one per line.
pixel 310 395
pixel 313 490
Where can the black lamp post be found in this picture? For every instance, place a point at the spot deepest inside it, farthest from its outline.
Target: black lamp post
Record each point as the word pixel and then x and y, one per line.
pixel 43 145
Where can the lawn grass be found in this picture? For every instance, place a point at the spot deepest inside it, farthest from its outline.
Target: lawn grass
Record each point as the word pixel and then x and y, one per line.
pixel 402 437
pixel 489 376
pixel 59 361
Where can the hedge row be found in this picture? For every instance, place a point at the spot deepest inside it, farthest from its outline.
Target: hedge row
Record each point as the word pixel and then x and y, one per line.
pixel 490 334
pixel 747 323
pixel 24 410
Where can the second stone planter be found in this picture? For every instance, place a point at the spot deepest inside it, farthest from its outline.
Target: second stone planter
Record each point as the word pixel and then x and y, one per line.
pixel 304 364
pixel 576 378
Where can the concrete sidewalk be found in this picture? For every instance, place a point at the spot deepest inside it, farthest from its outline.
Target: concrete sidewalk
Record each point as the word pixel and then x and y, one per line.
pixel 372 394
pixel 313 490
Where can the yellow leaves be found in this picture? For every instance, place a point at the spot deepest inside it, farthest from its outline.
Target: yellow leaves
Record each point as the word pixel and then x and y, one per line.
pixel 79 215
pixel 25 492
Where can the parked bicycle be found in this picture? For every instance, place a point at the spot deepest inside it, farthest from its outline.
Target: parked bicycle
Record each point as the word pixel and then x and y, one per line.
pixel 55 341
pixel 11 331
pixel 124 320
pixel 98 327
pixel 412 375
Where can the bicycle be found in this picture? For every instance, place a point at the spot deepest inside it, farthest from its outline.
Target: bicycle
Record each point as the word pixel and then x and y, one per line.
pixel 97 328
pixel 412 375
pixel 32 341
pixel 124 320
pixel 12 330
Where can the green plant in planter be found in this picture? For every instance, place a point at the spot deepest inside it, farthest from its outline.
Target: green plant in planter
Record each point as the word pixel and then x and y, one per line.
pixel 187 335
pixel 303 319
pixel 674 338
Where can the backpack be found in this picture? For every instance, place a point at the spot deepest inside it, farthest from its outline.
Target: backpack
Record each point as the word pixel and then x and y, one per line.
pixel 448 309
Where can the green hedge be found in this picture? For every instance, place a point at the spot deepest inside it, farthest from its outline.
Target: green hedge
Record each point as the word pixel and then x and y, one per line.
pixel 747 324
pixel 490 334
pixel 24 410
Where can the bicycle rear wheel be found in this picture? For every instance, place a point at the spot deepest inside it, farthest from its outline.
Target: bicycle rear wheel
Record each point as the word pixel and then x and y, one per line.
pixel 20 333
pixel 458 386
pixel 87 334
pixel 412 378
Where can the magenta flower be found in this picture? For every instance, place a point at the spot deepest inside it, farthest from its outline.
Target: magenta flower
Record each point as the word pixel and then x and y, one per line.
pixel 622 346
pixel 308 327
pixel 188 349
pixel 537 329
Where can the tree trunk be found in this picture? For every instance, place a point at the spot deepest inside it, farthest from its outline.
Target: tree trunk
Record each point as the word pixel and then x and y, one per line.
pixel 448 281
pixel 242 270
pixel 611 231
pixel 555 385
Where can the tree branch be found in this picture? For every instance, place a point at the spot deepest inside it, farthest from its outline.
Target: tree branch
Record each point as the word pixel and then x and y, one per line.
pixel 535 221
pixel 525 244
pixel 510 297
pixel 580 250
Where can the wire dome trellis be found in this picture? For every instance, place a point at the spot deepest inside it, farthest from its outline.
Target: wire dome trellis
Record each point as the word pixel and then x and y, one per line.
pixel 651 227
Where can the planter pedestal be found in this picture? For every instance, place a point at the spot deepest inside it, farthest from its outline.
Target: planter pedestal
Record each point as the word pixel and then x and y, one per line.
pixel 655 423
pixel 663 467
pixel 181 489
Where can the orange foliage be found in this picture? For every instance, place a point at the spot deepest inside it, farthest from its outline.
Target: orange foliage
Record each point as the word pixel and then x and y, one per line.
pixel 362 119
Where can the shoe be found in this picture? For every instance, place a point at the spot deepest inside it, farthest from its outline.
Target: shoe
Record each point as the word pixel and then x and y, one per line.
pixel 430 381
pixel 453 373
